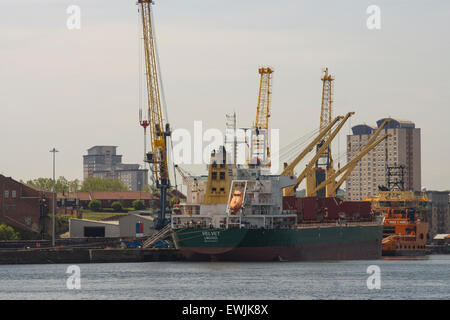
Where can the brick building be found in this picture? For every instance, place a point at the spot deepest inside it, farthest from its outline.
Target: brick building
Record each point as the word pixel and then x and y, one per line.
pixel 23 207
pixel 126 198
pixel 106 198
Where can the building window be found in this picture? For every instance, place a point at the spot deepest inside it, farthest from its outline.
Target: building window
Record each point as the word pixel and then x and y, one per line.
pixel 214 175
pixel 222 176
pixel 6 193
pixel 13 193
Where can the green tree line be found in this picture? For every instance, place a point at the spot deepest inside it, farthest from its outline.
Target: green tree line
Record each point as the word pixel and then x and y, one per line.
pixel 8 233
pixel 62 185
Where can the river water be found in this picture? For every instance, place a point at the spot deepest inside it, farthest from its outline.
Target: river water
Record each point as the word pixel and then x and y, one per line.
pixel 426 278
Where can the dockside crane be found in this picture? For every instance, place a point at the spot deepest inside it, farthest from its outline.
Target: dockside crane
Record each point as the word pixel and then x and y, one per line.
pixel 159 130
pixel 259 151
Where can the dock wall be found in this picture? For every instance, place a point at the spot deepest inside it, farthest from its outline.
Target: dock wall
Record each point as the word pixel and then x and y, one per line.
pixel 82 255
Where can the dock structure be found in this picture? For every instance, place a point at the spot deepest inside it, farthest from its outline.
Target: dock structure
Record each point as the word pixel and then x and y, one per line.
pixel 83 255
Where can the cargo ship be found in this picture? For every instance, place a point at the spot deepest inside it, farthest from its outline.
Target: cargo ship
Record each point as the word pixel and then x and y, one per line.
pixel 243 216
pixel 405 231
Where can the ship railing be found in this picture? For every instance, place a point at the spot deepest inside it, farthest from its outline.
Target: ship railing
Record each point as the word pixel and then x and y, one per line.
pixel 190 209
pixel 335 224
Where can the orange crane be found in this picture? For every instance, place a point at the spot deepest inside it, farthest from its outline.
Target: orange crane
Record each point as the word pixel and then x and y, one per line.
pixel 159 130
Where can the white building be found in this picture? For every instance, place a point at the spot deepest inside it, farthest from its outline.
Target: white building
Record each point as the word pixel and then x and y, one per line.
pixel 402 148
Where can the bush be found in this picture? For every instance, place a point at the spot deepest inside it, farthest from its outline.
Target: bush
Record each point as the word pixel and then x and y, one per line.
pixel 138 205
pixel 117 206
pixel 8 233
pixel 95 205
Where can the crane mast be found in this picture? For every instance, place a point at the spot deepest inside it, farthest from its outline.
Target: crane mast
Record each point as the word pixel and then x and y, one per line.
pixel 324 166
pixel 259 142
pixel 159 131
pixel 325 114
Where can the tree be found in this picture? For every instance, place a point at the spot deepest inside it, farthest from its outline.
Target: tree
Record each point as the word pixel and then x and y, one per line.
pixel 95 205
pixel 74 186
pixel 149 188
pixel 138 205
pixel 44 184
pixel 91 184
pixel 117 206
pixel 173 201
pixel 61 184
pixel 8 233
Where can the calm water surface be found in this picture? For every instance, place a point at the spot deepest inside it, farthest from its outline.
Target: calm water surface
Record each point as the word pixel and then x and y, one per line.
pixel 400 279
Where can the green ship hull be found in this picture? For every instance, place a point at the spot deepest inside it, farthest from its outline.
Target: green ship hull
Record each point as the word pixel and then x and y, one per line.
pixel 336 242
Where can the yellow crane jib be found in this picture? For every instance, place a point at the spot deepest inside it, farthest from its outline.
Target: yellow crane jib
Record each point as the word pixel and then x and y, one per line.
pixel 289 168
pixel 334 186
pixel 325 145
pixel 348 168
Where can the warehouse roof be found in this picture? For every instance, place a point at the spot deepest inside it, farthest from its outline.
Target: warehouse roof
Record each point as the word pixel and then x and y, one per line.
pixel 116 223
pixel 442 236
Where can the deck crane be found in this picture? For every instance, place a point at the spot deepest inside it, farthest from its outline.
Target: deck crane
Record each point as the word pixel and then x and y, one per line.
pixel 159 130
pixel 289 191
pixel 348 168
pixel 289 168
pixel 259 151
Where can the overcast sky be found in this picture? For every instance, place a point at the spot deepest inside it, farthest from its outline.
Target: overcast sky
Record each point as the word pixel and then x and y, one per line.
pixel 73 89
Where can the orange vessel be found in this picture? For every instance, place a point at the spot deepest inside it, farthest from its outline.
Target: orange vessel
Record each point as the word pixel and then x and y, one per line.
pixel 405 229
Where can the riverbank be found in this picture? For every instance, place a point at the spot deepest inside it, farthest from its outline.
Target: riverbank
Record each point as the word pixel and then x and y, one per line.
pixel 84 255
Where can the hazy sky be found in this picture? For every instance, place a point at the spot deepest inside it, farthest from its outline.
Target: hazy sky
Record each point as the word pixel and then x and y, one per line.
pixel 73 89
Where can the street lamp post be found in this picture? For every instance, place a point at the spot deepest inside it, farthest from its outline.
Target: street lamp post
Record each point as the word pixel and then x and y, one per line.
pixel 54 204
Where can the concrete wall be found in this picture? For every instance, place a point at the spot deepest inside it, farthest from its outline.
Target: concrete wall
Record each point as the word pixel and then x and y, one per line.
pixel 76 227
pixel 82 255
